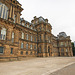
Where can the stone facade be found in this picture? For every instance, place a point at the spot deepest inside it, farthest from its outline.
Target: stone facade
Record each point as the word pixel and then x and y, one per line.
pixel 20 38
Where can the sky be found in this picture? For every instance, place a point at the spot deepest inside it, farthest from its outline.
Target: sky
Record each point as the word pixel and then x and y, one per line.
pixel 60 14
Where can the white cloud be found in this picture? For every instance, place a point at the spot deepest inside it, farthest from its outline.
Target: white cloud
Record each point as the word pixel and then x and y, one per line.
pixel 61 14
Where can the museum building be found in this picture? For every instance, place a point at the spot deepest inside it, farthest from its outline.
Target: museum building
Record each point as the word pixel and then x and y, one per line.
pixel 20 38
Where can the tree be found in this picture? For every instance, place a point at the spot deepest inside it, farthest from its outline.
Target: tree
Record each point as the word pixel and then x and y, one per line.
pixel 73 49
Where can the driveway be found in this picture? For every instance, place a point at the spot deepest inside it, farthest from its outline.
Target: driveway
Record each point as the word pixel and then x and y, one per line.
pixel 35 66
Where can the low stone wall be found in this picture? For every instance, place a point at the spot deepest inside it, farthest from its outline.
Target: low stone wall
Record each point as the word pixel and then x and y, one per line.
pixel 8 59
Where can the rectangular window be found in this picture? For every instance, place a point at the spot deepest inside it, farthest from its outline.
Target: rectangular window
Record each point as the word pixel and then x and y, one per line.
pixel 14 18
pixel 12 36
pixel 23 24
pixel 21 45
pixel 26 46
pixel 65 44
pixel 27 37
pixel 61 43
pixel 22 35
pixel 34 47
pixel 0 11
pixel 35 39
pixel 31 46
pixel 27 25
pixel 11 50
pixel 31 38
pixel 1 49
pixel 3 34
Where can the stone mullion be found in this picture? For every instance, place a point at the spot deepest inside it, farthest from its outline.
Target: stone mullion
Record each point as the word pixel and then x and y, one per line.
pixel 10 12
pixel 19 18
pixel 2 11
pixel 13 12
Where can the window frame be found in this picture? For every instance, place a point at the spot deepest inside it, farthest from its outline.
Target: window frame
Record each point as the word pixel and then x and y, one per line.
pixel 3 50
pixel 4 11
pixel 3 34
pixel 22 45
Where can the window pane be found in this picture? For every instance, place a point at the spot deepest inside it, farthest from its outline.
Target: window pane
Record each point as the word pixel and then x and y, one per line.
pixel 23 24
pixel 31 38
pixel 27 37
pixel 22 35
pixel 1 49
pixel 21 45
pixel 14 18
pixel 26 53
pixel 30 46
pixel 3 11
pixel 21 52
pixel 12 36
pixel 3 34
pixel 11 50
pixel 26 46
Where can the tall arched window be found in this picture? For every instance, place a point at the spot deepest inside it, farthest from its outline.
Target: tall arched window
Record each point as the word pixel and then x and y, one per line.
pixel 3 34
pixel 3 11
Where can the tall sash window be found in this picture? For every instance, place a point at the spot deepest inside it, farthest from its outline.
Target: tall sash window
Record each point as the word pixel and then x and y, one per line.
pixel 22 35
pixel 3 34
pixel 12 36
pixel 3 11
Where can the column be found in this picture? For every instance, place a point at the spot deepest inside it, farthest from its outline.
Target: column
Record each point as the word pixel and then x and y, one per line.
pixel 10 12
pixel 13 13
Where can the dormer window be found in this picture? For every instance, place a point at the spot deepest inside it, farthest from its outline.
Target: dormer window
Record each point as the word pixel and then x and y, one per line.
pixel 31 27
pixel 23 24
pixel 36 21
pixel 3 11
pixel 62 44
pixel 27 25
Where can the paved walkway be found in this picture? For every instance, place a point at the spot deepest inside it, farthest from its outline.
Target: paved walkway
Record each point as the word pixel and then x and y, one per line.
pixel 36 66
pixel 69 70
